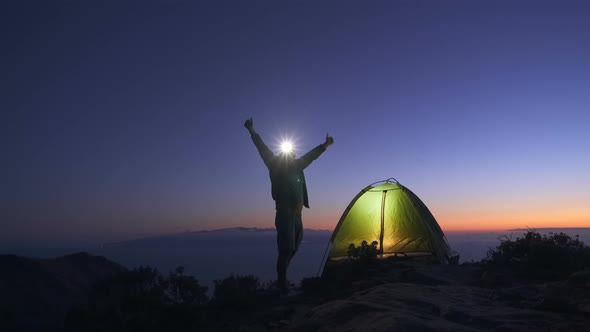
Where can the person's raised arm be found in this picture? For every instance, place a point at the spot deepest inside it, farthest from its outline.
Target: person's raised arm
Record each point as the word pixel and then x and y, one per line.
pixel 312 155
pixel 263 150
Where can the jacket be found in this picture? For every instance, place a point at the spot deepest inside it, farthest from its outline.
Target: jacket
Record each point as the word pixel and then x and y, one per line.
pixel 287 179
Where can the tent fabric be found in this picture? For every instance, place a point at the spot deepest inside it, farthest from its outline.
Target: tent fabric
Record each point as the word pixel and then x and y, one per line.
pixel 393 216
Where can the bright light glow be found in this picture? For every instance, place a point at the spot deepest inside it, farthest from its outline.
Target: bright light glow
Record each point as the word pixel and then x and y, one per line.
pixel 286 146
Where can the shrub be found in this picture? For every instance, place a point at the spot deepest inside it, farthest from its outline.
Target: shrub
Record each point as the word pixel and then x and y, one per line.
pixel 540 257
pixel 183 289
pixel 313 286
pixel 363 253
pixel 141 300
pixel 237 292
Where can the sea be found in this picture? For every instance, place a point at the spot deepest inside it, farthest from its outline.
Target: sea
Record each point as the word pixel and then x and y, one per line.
pixel 215 255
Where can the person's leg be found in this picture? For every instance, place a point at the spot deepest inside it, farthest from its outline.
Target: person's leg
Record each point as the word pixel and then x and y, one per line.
pixel 289 234
pixel 296 231
pixel 285 245
pixel 282 265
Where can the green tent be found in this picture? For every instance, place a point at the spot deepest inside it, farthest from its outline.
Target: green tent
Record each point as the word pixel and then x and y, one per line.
pixel 393 216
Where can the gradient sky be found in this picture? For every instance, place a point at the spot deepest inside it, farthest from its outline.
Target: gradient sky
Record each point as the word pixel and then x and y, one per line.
pixel 125 118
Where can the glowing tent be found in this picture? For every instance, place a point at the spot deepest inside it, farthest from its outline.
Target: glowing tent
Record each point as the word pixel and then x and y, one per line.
pixel 393 216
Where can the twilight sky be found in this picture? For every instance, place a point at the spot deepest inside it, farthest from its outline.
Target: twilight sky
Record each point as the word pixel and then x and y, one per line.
pixel 125 118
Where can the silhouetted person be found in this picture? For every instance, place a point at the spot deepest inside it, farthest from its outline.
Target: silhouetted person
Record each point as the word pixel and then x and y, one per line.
pixel 290 195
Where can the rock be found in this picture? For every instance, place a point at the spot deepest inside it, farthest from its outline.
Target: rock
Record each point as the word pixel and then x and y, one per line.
pixel 491 279
pixel 412 307
pixel 565 298
pixel 580 279
pixel 279 324
pixel 519 296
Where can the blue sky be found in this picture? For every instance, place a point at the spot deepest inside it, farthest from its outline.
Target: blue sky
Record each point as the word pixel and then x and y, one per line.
pixel 125 117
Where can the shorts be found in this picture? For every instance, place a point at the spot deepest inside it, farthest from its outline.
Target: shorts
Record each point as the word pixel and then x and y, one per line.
pixel 289 229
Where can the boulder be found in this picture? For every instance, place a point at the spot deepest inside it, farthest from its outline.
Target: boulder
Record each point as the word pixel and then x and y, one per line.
pixel 580 279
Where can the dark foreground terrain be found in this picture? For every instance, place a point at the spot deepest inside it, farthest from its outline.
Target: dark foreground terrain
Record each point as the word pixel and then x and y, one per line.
pixel 37 293
pixel 531 284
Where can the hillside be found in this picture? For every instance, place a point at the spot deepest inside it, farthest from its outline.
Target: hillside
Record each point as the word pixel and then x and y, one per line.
pixel 235 235
pixel 39 292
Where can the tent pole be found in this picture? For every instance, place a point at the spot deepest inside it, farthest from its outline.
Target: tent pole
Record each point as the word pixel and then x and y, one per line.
pixel 382 222
pixel 321 269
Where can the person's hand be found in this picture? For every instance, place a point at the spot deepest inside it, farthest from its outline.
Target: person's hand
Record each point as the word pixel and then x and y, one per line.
pixel 329 140
pixel 249 124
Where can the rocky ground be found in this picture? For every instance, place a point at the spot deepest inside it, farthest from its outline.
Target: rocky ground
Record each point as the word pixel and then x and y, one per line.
pixel 410 297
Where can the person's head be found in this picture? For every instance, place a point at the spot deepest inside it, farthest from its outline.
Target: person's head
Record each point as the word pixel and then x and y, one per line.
pixel 287 150
pixel 287 155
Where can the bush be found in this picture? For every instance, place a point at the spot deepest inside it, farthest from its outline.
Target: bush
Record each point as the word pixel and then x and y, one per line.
pixel 237 292
pixel 540 257
pixel 313 286
pixel 141 300
pixel 363 253
pixel 185 290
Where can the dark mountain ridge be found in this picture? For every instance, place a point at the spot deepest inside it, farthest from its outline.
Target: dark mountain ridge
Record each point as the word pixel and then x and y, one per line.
pixel 37 293
pixel 215 237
